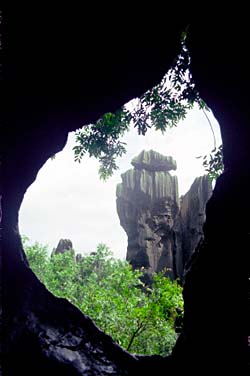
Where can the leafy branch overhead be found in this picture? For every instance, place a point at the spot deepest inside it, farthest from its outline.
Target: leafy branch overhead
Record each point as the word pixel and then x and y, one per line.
pixel 102 141
pixel 213 163
pixel 162 107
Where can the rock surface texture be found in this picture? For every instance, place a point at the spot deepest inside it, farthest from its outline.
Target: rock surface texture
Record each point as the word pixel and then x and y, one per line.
pixel 192 216
pixel 161 232
pixel 63 246
pixel 69 77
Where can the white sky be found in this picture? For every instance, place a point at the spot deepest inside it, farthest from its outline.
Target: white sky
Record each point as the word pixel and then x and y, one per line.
pixel 68 200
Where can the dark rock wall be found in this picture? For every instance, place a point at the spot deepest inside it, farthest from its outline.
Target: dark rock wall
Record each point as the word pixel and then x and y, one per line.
pixel 59 75
pixel 53 86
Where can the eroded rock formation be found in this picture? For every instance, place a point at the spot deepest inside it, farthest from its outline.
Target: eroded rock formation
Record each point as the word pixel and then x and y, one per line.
pixel 192 216
pixel 147 205
pixel 161 232
pixel 63 246
pixel 69 77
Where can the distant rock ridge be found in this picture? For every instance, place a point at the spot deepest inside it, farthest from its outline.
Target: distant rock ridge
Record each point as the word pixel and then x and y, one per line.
pixel 162 233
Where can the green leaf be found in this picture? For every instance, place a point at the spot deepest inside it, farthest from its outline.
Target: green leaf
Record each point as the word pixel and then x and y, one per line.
pixel 139 318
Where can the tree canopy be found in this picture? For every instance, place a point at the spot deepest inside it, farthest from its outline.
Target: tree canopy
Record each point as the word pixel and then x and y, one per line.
pixel 142 319
pixel 161 107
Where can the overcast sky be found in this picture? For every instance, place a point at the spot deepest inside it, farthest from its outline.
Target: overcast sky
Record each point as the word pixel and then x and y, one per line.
pixel 68 200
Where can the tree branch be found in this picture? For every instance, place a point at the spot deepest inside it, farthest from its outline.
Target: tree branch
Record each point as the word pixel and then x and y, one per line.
pixel 134 335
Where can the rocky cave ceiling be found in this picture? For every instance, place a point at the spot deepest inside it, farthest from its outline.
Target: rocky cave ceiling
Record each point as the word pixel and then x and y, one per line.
pixel 59 74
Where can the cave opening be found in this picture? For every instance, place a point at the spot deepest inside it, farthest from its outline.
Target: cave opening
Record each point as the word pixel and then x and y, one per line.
pixel 68 200
pixel 45 334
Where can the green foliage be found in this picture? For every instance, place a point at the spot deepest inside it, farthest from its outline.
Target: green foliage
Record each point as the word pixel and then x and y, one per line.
pixel 139 318
pixel 61 274
pixel 168 102
pixel 213 163
pixel 37 255
pixel 161 107
pixel 102 141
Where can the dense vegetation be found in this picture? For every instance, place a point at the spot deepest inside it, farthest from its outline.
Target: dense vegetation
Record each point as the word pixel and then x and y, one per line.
pixel 140 318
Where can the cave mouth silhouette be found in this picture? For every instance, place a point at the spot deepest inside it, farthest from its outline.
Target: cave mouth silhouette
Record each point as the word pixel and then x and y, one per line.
pixel 62 179
pixel 45 334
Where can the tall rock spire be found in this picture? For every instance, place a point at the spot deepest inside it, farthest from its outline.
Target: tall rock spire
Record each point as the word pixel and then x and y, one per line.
pixel 147 205
pixel 161 234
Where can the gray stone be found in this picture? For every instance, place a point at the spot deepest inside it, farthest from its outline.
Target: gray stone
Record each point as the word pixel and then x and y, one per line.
pixel 64 245
pixel 162 234
pixel 153 161
pixel 79 257
pixel 192 215
pixel 147 205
